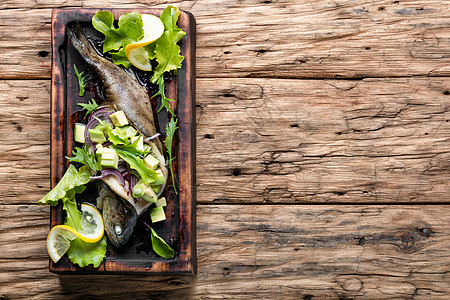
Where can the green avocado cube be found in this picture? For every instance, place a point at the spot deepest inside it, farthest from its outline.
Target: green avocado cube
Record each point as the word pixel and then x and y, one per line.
pixel 140 143
pixel 109 158
pixel 160 179
pixel 157 214
pixel 118 118
pixel 97 136
pixel 99 151
pixel 149 195
pixel 161 202
pixel 78 133
pixel 156 188
pixel 151 162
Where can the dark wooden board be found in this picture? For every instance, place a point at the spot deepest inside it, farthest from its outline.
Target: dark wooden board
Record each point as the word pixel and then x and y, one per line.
pixel 179 228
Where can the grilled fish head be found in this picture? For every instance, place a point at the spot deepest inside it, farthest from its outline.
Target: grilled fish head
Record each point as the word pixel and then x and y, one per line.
pixel 119 216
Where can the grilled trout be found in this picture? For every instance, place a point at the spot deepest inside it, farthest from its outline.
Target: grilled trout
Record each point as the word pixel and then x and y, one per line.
pixel 119 88
pixel 123 92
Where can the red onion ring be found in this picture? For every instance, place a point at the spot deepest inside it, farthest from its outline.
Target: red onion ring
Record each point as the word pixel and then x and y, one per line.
pixel 108 172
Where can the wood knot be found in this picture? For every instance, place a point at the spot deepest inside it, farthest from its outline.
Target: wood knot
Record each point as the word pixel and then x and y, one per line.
pixel 43 53
pixel 350 283
pixel 425 232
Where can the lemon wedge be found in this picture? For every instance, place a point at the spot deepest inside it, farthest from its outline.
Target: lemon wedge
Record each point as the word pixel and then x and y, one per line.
pixel 153 29
pixel 93 228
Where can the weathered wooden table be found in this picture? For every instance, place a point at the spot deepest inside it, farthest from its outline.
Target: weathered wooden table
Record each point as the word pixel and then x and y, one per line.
pixel 322 147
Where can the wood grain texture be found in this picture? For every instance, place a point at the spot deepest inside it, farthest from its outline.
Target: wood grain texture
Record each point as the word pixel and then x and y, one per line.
pixel 289 39
pixel 280 141
pixel 284 141
pixel 269 251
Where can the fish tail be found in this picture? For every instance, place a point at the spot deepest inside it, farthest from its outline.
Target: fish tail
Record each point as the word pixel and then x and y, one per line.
pixel 82 44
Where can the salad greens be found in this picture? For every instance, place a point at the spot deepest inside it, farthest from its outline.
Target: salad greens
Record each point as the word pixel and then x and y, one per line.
pixel 160 247
pixel 89 107
pixel 84 156
pixel 148 176
pixel 170 131
pixel 129 30
pixel 70 184
pixel 73 182
pixel 164 50
pixel 164 99
pixel 81 80
pixel 80 252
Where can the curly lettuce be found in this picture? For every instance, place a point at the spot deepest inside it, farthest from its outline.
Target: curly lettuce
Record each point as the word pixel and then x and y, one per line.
pixel 73 182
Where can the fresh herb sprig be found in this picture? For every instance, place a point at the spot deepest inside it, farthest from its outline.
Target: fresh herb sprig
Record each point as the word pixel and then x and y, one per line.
pixel 89 107
pixel 84 156
pixel 81 81
pixel 164 100
pixel 171 127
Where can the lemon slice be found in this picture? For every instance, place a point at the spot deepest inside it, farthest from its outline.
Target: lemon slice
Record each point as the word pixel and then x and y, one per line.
pixel 93 228
pixel 153 29
pixel 58 241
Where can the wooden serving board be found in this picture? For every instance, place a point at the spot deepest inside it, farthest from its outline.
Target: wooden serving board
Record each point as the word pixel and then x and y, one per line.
pixel 179 227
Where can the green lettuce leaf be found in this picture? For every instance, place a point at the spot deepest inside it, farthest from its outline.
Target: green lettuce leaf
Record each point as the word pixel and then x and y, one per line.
pixel 72 182
pixel 84 156
pixel 160 247
pixel 167 53
pixel 84 254
pixel 73 215
pixel 121 135
pixel 129 154
pixel 129 30
pixel 120 58
pixel 80 252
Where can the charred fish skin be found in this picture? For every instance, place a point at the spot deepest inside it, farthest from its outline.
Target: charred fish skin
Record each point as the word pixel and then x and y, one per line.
pixel 119 216
pixel 120 90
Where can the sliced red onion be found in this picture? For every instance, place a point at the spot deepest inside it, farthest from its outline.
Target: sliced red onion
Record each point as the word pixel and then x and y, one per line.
pixel 92 123
pixel 152 137
pixel 99 111
pixel 108 172
pixel 129 180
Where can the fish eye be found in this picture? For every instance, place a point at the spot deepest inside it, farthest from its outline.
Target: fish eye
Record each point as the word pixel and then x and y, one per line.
pixel 118 229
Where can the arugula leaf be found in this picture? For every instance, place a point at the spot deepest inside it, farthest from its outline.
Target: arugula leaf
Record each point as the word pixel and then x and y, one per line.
pixel 171 127
pixel 84 156
pixel 129 30
pixel 81 80
pixel 72 182
pixel 160 246
pixel 128 154
pixel 164 99
pixel 89 107
pixel 84 254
